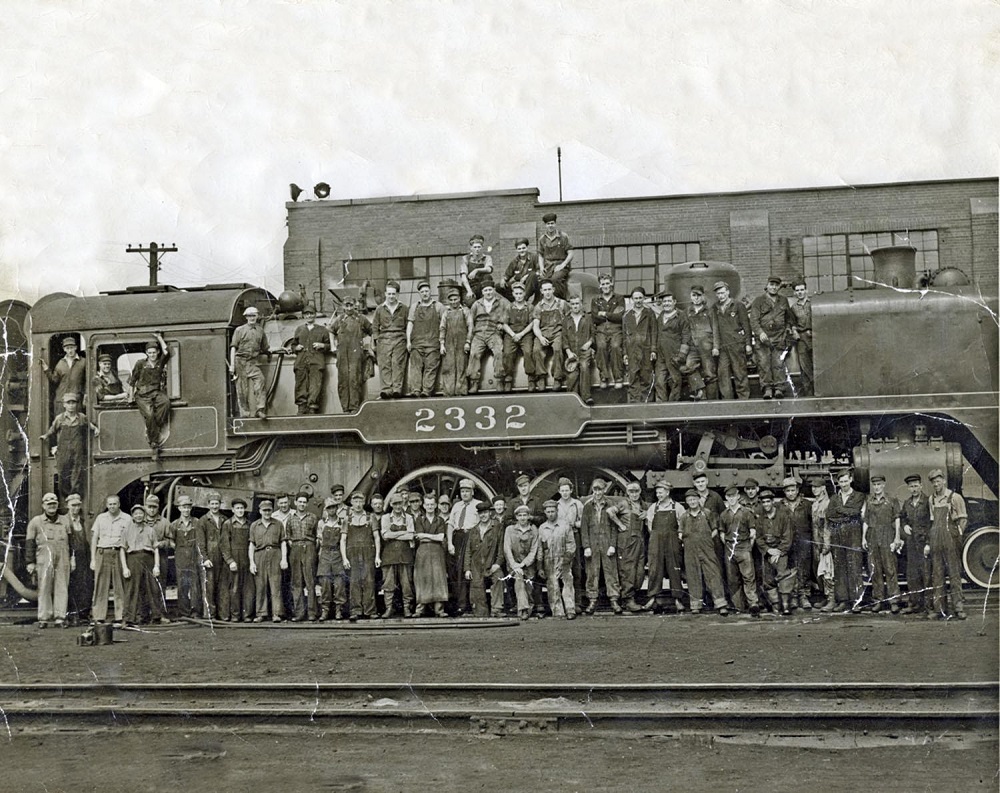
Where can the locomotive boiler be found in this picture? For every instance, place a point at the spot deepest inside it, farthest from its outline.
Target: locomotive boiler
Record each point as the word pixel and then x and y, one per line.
pixel 906 381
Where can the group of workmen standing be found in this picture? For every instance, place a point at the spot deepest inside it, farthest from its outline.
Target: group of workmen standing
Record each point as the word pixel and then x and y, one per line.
pixel 646 344
pixel 428 556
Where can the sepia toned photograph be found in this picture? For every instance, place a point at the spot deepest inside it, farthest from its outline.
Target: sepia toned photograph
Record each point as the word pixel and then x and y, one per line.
pixel 449 396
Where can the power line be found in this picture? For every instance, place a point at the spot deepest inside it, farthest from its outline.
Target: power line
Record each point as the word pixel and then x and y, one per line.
pixel 154 251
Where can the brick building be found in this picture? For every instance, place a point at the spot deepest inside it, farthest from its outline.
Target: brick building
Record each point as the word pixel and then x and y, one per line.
pixel 823 233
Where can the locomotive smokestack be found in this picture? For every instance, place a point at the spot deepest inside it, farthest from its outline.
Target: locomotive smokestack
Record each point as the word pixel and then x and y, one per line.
pixel 896 266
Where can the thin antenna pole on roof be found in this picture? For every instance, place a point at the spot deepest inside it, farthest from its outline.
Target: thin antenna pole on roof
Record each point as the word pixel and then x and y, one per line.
pixel 559 161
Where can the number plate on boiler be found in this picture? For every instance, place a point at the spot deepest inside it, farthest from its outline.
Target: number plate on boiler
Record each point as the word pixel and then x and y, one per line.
pixel 472 418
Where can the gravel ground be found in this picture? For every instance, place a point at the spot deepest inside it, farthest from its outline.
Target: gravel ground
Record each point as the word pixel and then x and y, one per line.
pixel 602 649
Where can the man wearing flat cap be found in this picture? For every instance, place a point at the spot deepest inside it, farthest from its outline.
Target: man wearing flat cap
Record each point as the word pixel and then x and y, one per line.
pixel 46 551
pixel 822 554
pixel 639 331
pixel 556 253
pixel 598 535
pixel 558 554
pixel 771 319
pixel 108 389
pixel 949 518
pixel 547 318
pixel 569 510
pixel 389 335
pixel 490 313
pixel 455 338
pixel 183 533
pixel 525 498
pixel 519 337
pixel 521 552
pixel 608 310
pixel 268 554
pixel 665 561
pixel 801 307
pixel 774 539
pixel 423 324
pixel 704 329
pixel 310 344
pixel 801 555
pixel 915 519
pixel 239 600
pixel 880 537
pixel 70 372
pixel 734 343
pixel 673 346
pixel 149 392
pixel 698 528
pixel 524 270
pixel 484 564
pixel 81 577
pixel 464 518
pixel 248 344
pixel 474 268
pixel 350 328
pixel 71 432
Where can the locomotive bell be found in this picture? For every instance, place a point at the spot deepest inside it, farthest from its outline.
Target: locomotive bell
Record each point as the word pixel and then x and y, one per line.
pixel 289 302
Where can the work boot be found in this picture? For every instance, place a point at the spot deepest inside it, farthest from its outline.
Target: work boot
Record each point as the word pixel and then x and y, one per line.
pixel 473 386
pixel 591 608
pixel 616 606
pixel 804 603
pixel 439 610
pixel 755 610
pixel 786 610
pixel 632 606
pixel 828 606
pixel 767 393
pixel 324 615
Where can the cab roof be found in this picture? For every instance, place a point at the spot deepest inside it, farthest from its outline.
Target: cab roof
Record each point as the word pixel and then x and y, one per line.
pixel 149 307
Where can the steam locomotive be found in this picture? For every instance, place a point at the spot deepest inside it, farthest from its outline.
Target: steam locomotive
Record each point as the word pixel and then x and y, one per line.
pixel 906 381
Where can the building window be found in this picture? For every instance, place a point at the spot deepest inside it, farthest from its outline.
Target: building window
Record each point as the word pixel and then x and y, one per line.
pixel 631 265
pixel 832 261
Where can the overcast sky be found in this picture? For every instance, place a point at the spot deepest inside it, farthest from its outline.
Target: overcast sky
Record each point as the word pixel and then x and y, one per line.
pixel 184 122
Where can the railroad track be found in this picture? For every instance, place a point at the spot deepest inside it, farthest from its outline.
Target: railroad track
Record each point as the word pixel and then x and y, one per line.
pixel 891 709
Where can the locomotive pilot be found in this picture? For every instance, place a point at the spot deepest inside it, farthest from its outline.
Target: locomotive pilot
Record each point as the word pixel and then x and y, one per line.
pixel 389 336
pixel 639 330
pixel 310 344
pixel 248 344
pixel 455 337
pixel 518 338
pixel 556 254
pixel 422 345
pixel 880 537
pixel 578 341
pixel 350 329
pixel 484 564
pixel 915 519
pixel 772 320
pixel 948 521
pixel 547 317
pixel 489 318
pixel 608 311
pixel 734 344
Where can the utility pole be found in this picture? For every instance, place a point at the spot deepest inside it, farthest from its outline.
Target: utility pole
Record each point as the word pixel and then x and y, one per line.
pixel 154 252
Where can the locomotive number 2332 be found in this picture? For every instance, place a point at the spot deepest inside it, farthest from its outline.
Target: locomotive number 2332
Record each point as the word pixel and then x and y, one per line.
pixel 457 419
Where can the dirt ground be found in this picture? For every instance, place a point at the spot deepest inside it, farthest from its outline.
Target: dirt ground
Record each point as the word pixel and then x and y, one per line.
pixel 602 649
pixel 424 762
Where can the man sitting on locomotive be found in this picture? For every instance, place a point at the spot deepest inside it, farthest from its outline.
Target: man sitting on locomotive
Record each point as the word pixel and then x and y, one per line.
pixel 519 337
pixel 556 252
pixel 523 270
pixel 474 269
pixel 547 326
pixel 489 318
pixel 149 392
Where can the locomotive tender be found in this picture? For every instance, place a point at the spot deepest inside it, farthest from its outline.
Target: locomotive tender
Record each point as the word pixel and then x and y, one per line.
pixel 906 381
